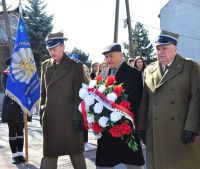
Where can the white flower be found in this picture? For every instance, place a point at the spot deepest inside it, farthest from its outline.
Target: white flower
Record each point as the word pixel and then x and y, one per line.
pixel 92 83
pixel 83 92
pixel 102 88
pixel 90 118
pixel 115 116
pixel 98 107
pixel 111 96
pixel 103 121
pixel 89 100
pixel 80 109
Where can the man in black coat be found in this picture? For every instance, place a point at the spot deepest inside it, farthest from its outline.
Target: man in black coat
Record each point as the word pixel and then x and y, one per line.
pixel 113 151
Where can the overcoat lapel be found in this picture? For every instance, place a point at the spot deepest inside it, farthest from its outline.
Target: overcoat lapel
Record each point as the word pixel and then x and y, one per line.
pixel 55 72
pixel 156 73
pixel 174 69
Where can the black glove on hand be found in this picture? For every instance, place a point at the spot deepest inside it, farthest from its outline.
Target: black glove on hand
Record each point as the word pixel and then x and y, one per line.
pixel 78 126
pixel 187 137
pixel 141 135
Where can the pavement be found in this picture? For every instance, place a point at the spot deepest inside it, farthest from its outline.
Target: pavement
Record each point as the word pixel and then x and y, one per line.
pixel 35 144
pixel 35 150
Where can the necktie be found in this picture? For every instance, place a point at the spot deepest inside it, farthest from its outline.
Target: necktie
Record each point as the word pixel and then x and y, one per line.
pixel 113 72
pixel 164 69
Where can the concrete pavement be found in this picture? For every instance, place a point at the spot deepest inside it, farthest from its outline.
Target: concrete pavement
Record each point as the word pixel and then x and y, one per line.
pixel 35 150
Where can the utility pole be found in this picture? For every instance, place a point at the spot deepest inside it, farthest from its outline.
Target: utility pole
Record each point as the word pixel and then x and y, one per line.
pixel 128 23
pixel 129 29
pixel 5 14
pixel 116 22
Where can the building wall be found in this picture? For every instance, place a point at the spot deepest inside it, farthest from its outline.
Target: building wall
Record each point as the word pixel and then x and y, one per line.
pixel 4 53
pixel 183 17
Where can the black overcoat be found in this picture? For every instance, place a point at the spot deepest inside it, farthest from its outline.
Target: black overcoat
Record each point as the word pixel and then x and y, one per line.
pixel 11 111
pixel 112 151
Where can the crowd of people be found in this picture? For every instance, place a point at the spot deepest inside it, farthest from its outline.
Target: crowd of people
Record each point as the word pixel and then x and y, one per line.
pixel 165 97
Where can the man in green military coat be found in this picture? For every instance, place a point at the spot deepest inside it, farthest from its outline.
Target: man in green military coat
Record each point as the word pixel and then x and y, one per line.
pixel 62 123
pixel 170 109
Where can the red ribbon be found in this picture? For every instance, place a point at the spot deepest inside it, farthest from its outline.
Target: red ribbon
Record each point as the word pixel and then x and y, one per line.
pixel 84 113
pixel 114 105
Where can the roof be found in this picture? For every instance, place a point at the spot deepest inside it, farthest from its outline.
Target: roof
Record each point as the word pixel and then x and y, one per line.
pixel 14 7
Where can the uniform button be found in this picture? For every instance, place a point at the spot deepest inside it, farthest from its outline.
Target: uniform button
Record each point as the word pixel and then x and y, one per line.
pixel 172 102
pixel 172 118
pixel 172 89
pixel 155 118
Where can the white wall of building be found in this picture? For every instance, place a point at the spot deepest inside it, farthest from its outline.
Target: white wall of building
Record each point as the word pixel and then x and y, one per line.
pixel 183 17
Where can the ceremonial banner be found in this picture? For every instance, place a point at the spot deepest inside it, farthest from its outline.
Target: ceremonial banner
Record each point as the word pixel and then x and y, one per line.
pixel 23 84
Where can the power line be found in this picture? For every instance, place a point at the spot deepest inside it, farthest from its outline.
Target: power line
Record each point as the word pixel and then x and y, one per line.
pixel 190 37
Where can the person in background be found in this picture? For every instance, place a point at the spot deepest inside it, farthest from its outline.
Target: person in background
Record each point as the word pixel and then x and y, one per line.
pixel 139 63
pixel 13 116
pixel 87 145
pixel 112 151
pixel 131 62
pixel 62 123
pixel 94 71
pixel 170 108
pixel 102 66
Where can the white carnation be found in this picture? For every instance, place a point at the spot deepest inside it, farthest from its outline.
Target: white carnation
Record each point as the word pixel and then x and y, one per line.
pixel 80 109
pixel 83 92
pixel 92 83
pixel 102 88
pixel 111 96
pixel 90 119
pixel 103 121
pixel 98 107
pixel 115 116
pixel 89 100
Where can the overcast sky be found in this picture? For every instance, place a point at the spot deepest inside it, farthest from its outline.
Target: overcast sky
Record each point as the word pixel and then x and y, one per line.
pixel 89 24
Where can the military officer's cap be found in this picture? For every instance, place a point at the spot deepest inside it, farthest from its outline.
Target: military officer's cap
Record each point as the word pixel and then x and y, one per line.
pixel 55 39
pixel 114 47
pixel 166 38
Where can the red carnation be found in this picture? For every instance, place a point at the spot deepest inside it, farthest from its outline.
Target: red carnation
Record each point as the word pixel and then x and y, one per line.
pixel 125 104
pixel 110 80
pixel 118 90
pixel 115 131
pixel 125 128
pixel 96 128
pixel 98 78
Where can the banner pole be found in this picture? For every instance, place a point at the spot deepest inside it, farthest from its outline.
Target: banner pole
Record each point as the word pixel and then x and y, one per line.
pixel 26 136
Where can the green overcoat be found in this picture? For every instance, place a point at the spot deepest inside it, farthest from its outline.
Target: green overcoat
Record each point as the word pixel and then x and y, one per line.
pixel 60 86
pixel 171 104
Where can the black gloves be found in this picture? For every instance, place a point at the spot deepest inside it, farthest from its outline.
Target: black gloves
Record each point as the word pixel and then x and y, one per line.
pixel 187 137
pixel 141 135
pixel 78 126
